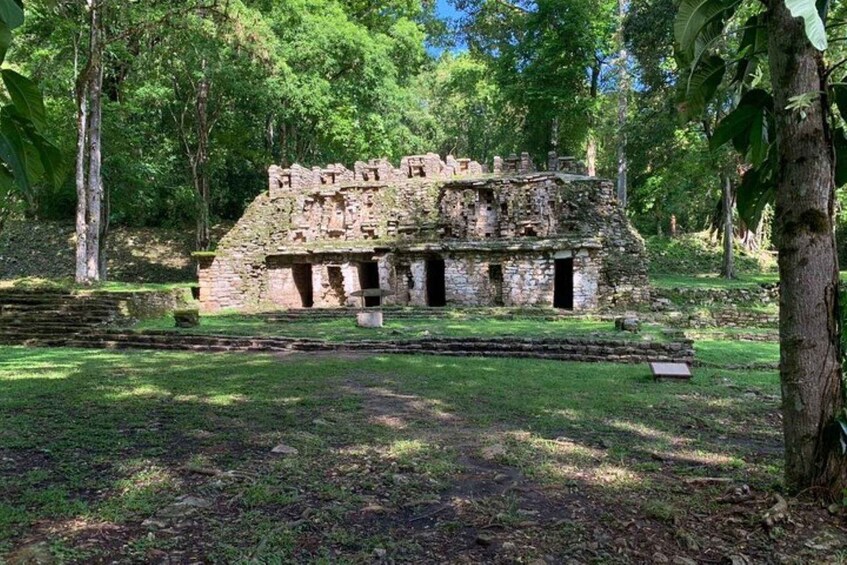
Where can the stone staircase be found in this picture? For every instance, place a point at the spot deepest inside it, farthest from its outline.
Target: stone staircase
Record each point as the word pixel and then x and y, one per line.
pixel 94 320
pixel 418 312
pixel 568 349
pixel 47 315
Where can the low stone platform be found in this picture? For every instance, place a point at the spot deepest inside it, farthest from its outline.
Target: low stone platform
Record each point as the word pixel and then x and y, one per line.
pixel 87 320
pixel 45 313
pixel 570 349
pixel 406 313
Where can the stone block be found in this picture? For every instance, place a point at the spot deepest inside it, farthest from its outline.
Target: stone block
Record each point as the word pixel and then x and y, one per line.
pixel 187 318
pixel 628 324
pixel 369 319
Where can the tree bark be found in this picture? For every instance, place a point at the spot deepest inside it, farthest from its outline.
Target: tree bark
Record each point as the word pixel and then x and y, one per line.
pixel 95 180
pixel 809 328
pixel 105 211
pixel 201 174
pixel 81 187
pixel 728 265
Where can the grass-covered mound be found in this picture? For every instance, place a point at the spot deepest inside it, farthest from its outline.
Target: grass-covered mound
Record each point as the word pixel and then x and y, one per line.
pixel 45 250
pixel 701 254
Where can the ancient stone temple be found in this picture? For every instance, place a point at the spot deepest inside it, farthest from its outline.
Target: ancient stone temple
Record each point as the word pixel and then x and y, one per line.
pixel 432 232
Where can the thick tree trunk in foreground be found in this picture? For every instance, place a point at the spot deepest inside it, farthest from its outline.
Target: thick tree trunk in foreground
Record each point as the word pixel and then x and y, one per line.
pixel 728 266
pixel 810 357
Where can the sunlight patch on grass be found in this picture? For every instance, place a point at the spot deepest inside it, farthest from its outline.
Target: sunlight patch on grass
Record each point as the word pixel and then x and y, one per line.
pixel 643 430
pixel 616 477
pixel 140 391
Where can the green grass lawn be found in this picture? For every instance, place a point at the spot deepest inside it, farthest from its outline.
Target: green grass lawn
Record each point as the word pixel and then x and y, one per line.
pixel 458 324
pixel 416 459
pixel 715 353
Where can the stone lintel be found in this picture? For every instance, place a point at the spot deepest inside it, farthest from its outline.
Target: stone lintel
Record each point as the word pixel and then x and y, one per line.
pixel 569 246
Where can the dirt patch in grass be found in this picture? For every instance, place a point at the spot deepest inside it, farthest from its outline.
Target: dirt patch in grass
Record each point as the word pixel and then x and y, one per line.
pixel 139 457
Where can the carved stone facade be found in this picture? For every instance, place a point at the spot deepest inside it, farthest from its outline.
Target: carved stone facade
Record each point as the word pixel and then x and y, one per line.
pixel 433 232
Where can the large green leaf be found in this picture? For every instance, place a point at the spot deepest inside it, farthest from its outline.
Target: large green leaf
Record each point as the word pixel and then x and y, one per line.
pixel 748 126
pixel 756 190
pixel 12 151
pixel 752 48
pixel 691 19
pixel 758 139
pixel 12 13
pixel 703 82
pixel 808 10
pixel 26 97
pixel 49 157
pixel 5 40
pixel 734 127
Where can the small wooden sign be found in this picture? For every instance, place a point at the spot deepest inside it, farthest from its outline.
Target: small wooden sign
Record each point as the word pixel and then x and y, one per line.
pixel 670 371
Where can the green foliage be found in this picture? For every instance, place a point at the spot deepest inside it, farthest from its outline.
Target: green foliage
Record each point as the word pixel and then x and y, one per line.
pixel 310 81
pixel 541 54
pixel 750 124
pixel 26 155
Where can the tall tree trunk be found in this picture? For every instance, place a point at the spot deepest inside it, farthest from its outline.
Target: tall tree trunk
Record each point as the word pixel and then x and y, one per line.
pixel 809 328
pixel 554 134
pixel 105 211
pixel 591 142
pixel 95 180
pixel 201 173
pixel 81 185
pixel 728 265
pixel 623 106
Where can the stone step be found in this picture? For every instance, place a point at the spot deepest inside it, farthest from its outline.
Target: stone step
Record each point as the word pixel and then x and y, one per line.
pixel 55 299
pixel 57 322
pixel 59 305
pixel 574 349
pixel 406 313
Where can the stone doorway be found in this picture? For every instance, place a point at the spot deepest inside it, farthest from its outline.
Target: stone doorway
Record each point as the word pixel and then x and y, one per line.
pixel 369 279
pixel 301 273
pixel 563 292
pixel 336 284
pixel 495 278
pixel 436 287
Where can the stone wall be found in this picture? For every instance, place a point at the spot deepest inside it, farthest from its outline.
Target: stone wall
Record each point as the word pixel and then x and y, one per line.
pixel 500 237
pixel 765 293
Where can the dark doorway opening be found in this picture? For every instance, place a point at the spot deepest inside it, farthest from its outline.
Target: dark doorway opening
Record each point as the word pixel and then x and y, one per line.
pixel 495 277
pixel 336 283
pixel 369 280
pixel 563 293
pixel 302 275
pixel 436 287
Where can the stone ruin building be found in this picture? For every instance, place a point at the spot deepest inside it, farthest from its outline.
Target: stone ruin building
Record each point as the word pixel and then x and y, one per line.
pixel 432 232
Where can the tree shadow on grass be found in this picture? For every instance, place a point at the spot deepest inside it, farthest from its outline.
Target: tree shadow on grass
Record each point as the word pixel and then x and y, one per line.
pixel 422 458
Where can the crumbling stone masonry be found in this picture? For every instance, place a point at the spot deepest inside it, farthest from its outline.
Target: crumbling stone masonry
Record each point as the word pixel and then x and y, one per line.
pixel 434 232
